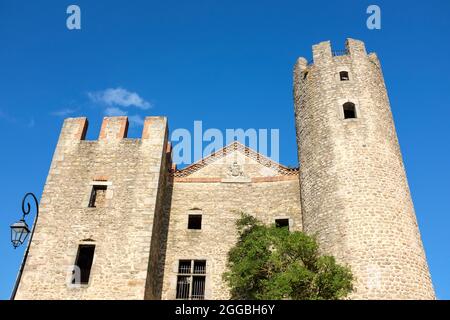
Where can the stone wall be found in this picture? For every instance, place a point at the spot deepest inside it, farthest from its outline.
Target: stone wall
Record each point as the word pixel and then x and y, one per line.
pixel 219 197
pixel 121 229
pixel 355 196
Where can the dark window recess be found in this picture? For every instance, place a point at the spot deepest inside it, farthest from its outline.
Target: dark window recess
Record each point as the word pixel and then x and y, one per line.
pixel 195 221
pixel 98 196
pixel 349 110
pixel 198 288
pixel 282 223
pixel 185 266
pixel 85 256
pixel 183 287
pixel 191 280
pixel 305 75
pixel 199 266
pixel 344 76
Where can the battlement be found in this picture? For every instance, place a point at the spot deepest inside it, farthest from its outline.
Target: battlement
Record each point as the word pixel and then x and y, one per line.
pixel 113 129
pixel 323 52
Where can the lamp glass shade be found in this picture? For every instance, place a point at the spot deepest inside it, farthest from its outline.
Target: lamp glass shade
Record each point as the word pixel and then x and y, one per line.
pixel 19 233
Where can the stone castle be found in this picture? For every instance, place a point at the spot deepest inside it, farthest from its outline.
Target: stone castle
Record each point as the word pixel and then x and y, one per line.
pixel 135 227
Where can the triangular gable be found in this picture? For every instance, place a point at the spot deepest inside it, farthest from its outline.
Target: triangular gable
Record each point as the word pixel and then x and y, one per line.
pixel 229 149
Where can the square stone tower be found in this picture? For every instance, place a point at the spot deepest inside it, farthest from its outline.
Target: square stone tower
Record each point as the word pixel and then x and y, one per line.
pixel 100 212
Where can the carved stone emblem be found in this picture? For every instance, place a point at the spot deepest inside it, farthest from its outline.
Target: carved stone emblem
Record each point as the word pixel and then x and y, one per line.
pixel 235 170
pixel 235 174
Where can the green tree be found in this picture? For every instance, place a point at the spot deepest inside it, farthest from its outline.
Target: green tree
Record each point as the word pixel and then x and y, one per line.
pixel 272 263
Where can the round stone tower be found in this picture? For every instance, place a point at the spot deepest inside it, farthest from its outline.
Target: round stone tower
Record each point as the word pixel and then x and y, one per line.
pixel 355 196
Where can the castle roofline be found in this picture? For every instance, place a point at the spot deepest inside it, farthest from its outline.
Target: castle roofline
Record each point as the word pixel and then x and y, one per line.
pixel 233 147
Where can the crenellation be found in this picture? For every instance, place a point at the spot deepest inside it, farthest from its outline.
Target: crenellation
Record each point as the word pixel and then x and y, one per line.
pixel 355 195
pixel 113 129
pixel 355 48
pixel 322 53
pixel 126 197
pixel 74 129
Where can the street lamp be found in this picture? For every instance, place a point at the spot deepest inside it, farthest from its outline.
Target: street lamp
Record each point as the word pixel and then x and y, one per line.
pixel 20 232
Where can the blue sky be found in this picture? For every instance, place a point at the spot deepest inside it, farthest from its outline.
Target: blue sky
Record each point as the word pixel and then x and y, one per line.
pixel 227 63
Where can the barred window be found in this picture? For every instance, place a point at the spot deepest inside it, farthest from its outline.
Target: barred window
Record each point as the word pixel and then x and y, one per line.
pixel 191 280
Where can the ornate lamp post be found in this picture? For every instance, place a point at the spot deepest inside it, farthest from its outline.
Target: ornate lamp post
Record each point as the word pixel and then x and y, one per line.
pixel 20 232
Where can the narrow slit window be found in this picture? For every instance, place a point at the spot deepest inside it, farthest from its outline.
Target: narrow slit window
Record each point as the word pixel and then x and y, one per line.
pixel 85 256
pixel 344 76
pixel 98 196
pixel 349 110
pixel 195 221
pixel 191 280
pixel 305 75
pixel 282 223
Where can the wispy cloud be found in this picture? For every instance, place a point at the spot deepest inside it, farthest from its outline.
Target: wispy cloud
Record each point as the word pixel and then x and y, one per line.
pixel 31 123
pixel 120 102
pixel 136 119
pixel 5 116
pixel 20 121
pixel 119 97
pixel 64 112
pixel 114 112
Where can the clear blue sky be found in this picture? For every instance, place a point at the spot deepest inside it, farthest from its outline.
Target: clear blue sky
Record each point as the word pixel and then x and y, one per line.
pixel 227 63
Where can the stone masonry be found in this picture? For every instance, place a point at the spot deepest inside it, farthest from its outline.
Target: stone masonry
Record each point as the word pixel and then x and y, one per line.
pixel 355 196
pixel 121 230
pixel 350 191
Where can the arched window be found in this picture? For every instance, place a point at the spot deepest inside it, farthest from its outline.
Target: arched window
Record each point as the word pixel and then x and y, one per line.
pixel 343 75
pixel 349 110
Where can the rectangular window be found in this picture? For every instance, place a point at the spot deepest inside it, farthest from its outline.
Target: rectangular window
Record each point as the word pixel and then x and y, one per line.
pixel 184 267
pixel 195 221
pixel 349 110
pixel 199 266
pixel 191 280
pixel 282 223
pixel 98 196
pixel 344 76
pixel 85 256
pixel 183 285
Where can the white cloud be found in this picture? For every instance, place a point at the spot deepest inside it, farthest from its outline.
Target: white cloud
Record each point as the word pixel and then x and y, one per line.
pixel 114 112
pixel 63 112
pixel 13 120
pixel 7 117
pixel 119 97
pixel 136 119
pixel 133 119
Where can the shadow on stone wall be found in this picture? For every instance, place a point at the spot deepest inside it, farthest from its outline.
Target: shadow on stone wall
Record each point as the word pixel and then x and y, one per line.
pixel 158 248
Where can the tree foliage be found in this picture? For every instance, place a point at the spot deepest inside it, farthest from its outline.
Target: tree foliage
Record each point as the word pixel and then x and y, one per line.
pixel 273 263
